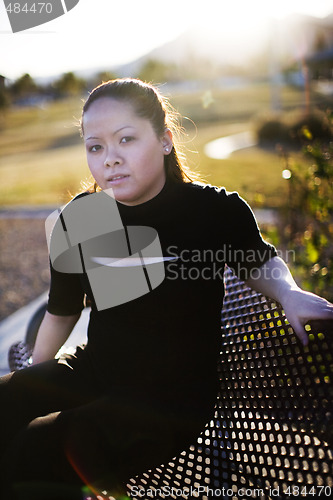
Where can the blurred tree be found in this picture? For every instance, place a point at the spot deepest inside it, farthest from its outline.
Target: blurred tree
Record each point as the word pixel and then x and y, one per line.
pixel 102 76
pixel 105 76
pixel 4 99
pixel 4 105
pixel 69 84
pixel 157 71
pixel 320 42
pixel 23 86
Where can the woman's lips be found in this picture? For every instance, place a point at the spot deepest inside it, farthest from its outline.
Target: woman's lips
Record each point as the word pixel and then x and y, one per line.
pixel 117 179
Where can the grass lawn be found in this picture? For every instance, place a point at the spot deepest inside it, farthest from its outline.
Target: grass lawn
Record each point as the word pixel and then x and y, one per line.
pixel 42 157
pixel 254 172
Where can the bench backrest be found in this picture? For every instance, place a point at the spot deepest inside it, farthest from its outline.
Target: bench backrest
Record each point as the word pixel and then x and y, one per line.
pixel 272 434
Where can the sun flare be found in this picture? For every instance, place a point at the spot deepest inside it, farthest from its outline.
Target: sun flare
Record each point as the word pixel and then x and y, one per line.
pixel 241 16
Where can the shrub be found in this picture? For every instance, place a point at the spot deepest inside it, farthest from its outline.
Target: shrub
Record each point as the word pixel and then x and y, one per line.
pixel 315 127
pixel 294 129
pixel 272 131
pixel 307 222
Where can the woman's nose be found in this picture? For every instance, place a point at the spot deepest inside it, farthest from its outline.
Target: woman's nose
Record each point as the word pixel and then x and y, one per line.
pixel 112 158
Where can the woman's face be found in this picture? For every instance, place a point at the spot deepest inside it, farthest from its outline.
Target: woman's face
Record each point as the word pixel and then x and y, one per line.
pixel 123 151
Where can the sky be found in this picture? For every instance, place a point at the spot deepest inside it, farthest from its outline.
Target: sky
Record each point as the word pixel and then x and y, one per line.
pixel 108 33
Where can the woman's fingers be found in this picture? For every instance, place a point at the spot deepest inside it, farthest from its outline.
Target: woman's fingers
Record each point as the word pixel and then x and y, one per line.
pixel 302 307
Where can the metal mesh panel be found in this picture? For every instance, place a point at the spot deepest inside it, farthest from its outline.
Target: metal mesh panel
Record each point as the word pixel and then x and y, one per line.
pixel 272 434
pixel 19 355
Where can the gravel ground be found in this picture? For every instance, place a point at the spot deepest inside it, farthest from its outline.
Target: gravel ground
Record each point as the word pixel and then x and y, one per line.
pixel 24 267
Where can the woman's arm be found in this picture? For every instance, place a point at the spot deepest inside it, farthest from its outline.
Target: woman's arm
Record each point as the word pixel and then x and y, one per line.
pixel 274 280
pixel 52 334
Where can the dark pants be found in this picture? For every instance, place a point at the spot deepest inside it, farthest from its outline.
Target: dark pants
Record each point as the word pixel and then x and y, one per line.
pixel 58 434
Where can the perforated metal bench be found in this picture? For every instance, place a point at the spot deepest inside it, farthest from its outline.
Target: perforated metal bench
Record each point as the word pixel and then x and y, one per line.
pixel 272 434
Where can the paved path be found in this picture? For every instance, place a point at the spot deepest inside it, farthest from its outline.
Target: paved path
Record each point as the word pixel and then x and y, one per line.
pixel 13 328
pixel 29 212
pixel 221 149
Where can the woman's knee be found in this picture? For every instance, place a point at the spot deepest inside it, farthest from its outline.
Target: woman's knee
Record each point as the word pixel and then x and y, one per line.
pixel 36 457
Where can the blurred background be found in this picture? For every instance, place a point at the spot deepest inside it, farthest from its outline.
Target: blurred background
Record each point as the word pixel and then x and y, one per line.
pixel 253 82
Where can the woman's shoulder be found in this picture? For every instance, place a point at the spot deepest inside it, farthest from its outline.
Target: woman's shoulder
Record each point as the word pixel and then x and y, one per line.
pixel 79 196
pixel 212 201
pixel 206 191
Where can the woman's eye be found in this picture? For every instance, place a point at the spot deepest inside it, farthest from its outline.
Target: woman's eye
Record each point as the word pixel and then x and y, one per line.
pixel 94 148
pixel 126 139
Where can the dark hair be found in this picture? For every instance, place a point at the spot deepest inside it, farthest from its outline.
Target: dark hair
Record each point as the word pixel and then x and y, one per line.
pixel 148 103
